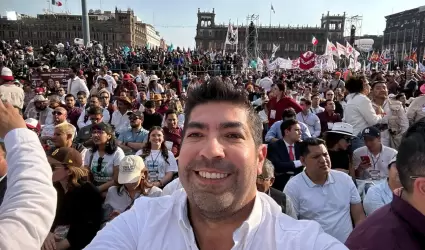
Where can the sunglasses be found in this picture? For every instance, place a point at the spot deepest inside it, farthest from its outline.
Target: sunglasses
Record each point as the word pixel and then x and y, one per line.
pixel 133 118
pixel 104 97
pixel 56 113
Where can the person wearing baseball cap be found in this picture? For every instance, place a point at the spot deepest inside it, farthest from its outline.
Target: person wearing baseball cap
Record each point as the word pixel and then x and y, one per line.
pixel 133 180
pixel 9 92
pixel 371 161
pixel 77 223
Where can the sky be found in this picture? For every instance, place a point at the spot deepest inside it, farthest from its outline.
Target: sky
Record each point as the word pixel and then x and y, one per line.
pixel 176 20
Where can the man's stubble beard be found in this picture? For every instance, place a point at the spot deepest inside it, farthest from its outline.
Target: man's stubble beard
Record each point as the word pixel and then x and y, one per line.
pixel 221 206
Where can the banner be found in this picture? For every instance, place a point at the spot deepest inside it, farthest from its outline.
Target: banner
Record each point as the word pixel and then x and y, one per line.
pixel 232 36
pixel 307 60
pixel 61 75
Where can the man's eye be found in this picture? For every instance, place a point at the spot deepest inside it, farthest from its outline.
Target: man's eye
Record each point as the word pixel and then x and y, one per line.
pixel 234 136
pixel 194 135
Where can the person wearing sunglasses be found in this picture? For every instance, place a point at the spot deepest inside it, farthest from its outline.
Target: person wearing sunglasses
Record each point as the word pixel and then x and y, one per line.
pixel 60 116
pixel 79 206
pixel 104 157
pixel 338 140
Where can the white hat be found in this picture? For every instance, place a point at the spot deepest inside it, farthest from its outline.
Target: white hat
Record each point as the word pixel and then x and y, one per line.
pixel 31 123
pixel 153 78
pixel 40 98
pixel 342 128
pixel 130 169
pixel 6 74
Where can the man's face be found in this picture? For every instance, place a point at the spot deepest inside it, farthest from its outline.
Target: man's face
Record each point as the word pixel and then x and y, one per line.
pixel 135 121
pixel 172 121
pixel 294 133
pixel 305 106
pixel 330 95
pixel 264 183
pixel 59 115
pixel 59 138
pixel 317 161
pixel 40 105
pixel 150 110
pixel 95 119
pixel 330 106
pixel 104 97
pixel 372 142
pixel 315 100
pixel 70 102
pixel 380 90
pixel 82 99
pixel 94 102
pixel 219 162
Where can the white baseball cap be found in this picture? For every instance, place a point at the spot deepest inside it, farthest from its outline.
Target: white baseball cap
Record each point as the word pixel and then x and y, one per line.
pixel 130 169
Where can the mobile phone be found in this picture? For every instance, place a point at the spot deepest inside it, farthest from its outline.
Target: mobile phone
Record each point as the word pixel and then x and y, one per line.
pixel 365 159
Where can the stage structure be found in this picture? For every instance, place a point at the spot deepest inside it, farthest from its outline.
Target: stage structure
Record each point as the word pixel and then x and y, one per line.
pixel 252 51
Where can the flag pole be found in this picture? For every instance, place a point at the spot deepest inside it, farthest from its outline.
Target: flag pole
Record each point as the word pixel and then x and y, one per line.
pixel 270 24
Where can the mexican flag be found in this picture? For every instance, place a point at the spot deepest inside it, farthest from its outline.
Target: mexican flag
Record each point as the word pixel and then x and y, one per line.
pixel 314 41
pixel 57 3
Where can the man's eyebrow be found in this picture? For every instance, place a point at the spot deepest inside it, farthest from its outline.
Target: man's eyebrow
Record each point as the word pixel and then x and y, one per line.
pixel 197 125
pixel 226 125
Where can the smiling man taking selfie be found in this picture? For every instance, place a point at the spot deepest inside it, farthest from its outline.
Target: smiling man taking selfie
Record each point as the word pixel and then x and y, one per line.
pixel 220 208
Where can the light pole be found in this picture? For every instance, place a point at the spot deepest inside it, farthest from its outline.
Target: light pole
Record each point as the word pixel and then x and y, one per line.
pixel 85 19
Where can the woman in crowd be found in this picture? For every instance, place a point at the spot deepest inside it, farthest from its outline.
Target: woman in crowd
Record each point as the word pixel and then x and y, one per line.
pixel 359 111
pixel 160 161
pixel 104 158
pixel 337 141
pixel 133 183
pixel 79 206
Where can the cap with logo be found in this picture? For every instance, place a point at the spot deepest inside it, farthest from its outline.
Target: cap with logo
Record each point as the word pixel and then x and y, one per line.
pixel 130 169
pixel 371 132
pixel 66 156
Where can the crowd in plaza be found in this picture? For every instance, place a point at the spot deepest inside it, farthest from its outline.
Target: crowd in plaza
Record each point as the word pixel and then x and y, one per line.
pixel 153 149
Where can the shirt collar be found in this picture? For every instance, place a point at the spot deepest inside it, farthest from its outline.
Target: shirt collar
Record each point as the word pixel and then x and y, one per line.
pixel 287 144
pixel 1 178
pixel 311 184
pixel 245 232
pixel 407 212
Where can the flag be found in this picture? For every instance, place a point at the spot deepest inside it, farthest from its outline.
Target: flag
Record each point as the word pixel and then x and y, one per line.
pixel 331 49
pixel 232 35
pixel 340 49
pixel 56 3
pixel 414 55
pixel 314 41
pixel 272 9
pixel 275 48
pixel 349 49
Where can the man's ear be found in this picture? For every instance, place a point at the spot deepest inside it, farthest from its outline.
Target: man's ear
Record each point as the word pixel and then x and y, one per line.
pixel 261 156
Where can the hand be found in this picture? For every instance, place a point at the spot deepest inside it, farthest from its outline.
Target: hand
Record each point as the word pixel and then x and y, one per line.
pixel 49 242
pixel 114 214
pixel 10 119
pixel 365 165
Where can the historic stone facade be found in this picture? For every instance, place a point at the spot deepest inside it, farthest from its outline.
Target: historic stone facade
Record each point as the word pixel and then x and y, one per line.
pixel 119 28
pixel 293 40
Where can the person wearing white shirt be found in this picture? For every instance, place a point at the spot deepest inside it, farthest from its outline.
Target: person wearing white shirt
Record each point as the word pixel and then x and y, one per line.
pixel 359 111
pixel 112 84
pixel 29 204
pixel 84 120
pixel 266 83
pixel 326 196
pixel 120 119
pixel 221 155
pixel 308 118
pixel 76 84
pixel 315 101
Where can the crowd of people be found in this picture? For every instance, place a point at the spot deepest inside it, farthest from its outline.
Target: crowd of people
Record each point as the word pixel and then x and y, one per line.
pixel 307 160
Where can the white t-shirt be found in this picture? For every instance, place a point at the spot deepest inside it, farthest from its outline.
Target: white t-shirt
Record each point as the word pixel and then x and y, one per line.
pixel 157 166
pixel 107 169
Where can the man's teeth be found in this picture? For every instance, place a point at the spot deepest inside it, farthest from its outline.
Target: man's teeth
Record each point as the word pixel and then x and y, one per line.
pixel 208 175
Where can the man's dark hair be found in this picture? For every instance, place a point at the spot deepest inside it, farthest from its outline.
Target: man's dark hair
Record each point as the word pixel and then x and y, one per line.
pixel 170 112
pixel 217 91
pixel 306 101
pixel 74 70
pixel 355 84
pixel 95 111
pixel 327 101
pixel 287 124
pixel 281 87
pixel 314 95
pixel 82 93
pixel 382 81
pixel 411 155
pixel 94 96
pixel 288 113
pixel 149 104
pixel 304 151
pixel 69 95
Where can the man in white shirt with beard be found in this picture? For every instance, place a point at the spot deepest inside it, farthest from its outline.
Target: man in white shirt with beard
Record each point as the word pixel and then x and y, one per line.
pixel 220 208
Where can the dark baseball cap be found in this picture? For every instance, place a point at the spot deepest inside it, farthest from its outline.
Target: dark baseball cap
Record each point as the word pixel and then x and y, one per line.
pixel 371 132
pixel 137 113
pixel 66 156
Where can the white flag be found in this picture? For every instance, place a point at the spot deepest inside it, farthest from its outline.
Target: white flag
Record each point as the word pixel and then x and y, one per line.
pixel 274 50
pixel 232 35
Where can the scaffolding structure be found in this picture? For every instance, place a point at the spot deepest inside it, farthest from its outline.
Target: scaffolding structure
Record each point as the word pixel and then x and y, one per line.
pixel 252 51
pixel 357 22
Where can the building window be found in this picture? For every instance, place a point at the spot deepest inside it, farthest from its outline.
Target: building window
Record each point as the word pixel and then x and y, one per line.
pixel 210 33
